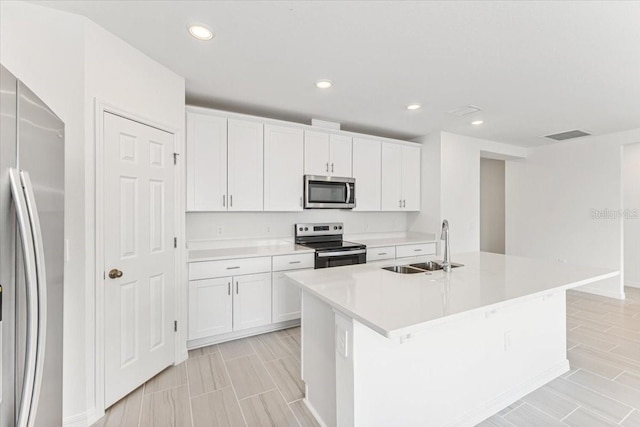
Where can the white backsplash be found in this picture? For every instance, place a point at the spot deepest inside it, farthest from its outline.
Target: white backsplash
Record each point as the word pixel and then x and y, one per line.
pixel 240 225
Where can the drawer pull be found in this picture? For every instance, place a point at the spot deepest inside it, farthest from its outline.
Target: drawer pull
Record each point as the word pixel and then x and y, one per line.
pixel 382 253
pixel 417 250
pixel 295 262
pixel 233 268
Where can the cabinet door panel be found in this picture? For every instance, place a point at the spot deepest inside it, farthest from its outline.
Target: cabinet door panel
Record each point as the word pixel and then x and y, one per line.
pixel 367 172
pixel 286 298
pixel 251 301
pixel 206 162
pixel 210 305
pixel 316 153
pixel 245 165
pixel 283 160
pixel 340 156
pixel 411 178
pixel 391 177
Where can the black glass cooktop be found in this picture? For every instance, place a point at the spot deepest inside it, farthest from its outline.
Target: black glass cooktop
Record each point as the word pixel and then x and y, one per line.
pixel 334 245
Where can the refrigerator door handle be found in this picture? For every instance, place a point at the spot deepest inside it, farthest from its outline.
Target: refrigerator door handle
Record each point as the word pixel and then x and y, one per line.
pixel 28 255
pixel 41 279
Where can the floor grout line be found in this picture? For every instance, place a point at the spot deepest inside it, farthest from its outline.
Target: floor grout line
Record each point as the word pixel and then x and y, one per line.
pixel 235 393
pixel 144 387
pixel 569 414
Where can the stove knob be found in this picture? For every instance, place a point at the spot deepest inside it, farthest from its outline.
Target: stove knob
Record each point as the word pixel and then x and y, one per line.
pixel 340 227
pixel 306 229
pixel 300 229
pixel 335 227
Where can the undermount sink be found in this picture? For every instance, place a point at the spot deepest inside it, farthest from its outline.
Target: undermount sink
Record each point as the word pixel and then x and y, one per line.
pixel 403 269
pixel 421 267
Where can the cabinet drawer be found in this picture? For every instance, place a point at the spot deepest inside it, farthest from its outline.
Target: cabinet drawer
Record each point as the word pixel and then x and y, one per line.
pixel 229 267
pixel 415 250
pixel 375 254
pixel 293 262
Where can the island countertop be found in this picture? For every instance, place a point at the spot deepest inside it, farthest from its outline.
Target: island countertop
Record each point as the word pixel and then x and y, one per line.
pixel 397 305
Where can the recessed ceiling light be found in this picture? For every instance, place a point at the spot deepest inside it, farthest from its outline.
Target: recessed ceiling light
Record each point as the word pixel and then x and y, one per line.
pixel 200 32
pixel 324 84
pixel 413 106
pixel 477 122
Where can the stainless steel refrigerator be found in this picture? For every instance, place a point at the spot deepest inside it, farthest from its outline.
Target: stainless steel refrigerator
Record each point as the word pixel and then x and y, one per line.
pixel 31 257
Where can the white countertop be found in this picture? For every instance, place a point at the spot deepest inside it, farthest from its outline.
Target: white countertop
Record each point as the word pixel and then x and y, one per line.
pixel 229 249
pixel 377 240
pixel 214 250
pixel 396 305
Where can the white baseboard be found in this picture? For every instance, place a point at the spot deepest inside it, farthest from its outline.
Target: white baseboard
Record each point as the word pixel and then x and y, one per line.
pixel 479 414
pixel 82 419
pixel 632 283
pixel 216 339
pixel 313 412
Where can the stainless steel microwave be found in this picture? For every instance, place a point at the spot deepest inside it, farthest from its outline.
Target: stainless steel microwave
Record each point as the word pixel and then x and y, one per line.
pixel 329 192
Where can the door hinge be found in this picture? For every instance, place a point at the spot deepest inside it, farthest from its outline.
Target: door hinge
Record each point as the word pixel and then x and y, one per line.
pixel 175 326
pixel 175 242
pixel 175 158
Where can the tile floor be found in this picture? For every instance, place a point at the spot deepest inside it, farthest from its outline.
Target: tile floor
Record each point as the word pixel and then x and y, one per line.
pixel 256 381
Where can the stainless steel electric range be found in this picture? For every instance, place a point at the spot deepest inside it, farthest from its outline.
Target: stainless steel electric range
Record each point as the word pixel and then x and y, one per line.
pixel 331 250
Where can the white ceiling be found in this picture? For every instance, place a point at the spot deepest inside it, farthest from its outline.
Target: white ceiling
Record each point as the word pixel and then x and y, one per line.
pixel 534 67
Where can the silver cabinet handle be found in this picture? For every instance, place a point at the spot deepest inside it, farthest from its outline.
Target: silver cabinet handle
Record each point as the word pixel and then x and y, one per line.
pixel 237 288
pixel 233 268
pixel 404 203
pixel 28 258
pixel 300 201
pixel 382 253
pixel 224 200
pixel 294 262
pixel 417 250
pixel 327 168
pixel 400 205
pixel 331 167
pixel 228 288
pixel 231 201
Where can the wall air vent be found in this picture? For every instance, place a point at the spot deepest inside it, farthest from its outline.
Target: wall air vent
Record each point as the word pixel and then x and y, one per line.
pixel 465 110
pixel 570 134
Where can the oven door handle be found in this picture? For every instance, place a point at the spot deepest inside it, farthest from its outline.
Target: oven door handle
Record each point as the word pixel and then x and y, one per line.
pixel 341 253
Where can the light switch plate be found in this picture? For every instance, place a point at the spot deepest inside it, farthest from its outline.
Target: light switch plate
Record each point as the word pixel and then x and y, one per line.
pixel 342 341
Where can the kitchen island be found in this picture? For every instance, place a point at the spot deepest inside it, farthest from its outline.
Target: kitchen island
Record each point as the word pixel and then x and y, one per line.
pixel 433 349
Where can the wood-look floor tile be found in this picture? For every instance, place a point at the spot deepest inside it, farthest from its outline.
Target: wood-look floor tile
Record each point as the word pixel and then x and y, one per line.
pixel 612 389
pixel 624 333
pixel 206 374
pixel 586 319
pixel 202 351
pixel 236 348
pixel 217 409
pixel 510 408
pixel 550 403
pixel 595 402
pixel 286 374
pixel 585 418
pixel 628 349
pixel 171 377
pixel 268 409
pixel 630 380
pixel 633 420
pixel 593 338
pixel 125 413
pixel 302 413
pixel 283 333
pixel 495 421
pixel 630 323
pixel 249 376
pixel 293 344
pixel 594 361
pixel 167 408
pixel 269 347
pixel 528 416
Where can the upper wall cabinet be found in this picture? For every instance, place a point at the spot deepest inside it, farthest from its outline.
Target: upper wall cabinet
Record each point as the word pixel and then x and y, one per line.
pixel 283 170
pixel 367 159
pixel 206 162
pixel 327 154
pixel 224 164
pixel 400 177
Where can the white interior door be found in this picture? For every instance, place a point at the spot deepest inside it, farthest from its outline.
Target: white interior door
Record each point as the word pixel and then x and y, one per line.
pixel 139 254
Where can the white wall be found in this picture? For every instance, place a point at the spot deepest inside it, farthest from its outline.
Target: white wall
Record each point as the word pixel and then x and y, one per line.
pixel 68 60
pixel 238 225
pixel 631 195
pixel 492 205
pixel 550 198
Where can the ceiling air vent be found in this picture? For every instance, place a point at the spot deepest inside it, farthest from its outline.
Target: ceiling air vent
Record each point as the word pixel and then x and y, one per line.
pixel 465 110
pixel 570 134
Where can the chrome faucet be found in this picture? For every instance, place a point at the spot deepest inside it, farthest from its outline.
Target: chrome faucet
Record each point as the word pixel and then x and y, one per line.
pixel 446 265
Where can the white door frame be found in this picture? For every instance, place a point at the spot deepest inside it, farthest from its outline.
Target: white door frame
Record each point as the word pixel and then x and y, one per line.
pixel 180 291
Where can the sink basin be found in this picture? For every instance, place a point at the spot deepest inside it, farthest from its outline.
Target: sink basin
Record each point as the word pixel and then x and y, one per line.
pixel 433 265
pixel 403 269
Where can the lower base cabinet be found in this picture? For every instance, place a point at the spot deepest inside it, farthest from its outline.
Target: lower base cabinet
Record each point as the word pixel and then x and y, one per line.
pixel 286 298
pixel 226 304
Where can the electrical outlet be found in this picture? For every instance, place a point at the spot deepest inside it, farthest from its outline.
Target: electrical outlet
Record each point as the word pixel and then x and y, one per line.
pixel 268 229
pixel 220 230
pixel 342 339
pixel 507 340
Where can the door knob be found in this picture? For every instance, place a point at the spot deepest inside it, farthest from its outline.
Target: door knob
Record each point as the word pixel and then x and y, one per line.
pixel 115 273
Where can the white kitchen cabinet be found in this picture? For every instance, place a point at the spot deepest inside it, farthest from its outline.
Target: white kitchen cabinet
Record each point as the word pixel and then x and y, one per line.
pixel 206 162
pixel 400 177
pixel 283 168
pixel 286 295
pixel 367 163
pixel 327 154
pixel 251 301
pixel 210 307
pixel 245 144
